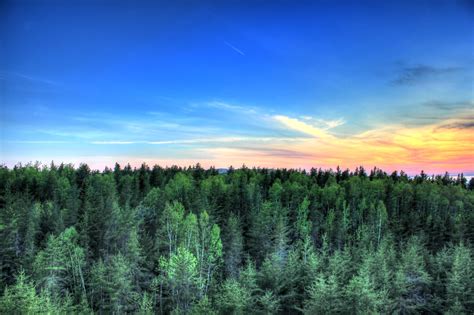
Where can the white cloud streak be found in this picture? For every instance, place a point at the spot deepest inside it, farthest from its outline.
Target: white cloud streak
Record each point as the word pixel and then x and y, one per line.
pixel 232 107
pixel 301 126
pixel 199 141
pixel 234 48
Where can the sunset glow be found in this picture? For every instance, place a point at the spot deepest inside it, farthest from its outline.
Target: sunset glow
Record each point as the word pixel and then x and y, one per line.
pixel 294 86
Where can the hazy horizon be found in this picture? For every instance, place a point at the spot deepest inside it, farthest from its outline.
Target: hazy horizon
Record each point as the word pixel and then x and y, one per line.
pixel 102 168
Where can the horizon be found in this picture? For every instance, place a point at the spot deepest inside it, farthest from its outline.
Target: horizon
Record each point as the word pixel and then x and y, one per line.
pixel 41 165
pixel 269 85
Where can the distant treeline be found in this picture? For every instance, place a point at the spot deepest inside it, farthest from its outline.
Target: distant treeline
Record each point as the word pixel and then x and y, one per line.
pixel 244 241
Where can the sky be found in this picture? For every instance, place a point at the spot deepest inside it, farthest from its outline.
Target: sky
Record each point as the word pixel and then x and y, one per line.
pixel 294 84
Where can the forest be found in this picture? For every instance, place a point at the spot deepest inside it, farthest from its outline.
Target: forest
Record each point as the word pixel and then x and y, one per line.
pixel 173 240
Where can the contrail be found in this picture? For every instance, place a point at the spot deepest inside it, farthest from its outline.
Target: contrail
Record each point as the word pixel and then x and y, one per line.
pixel 234 48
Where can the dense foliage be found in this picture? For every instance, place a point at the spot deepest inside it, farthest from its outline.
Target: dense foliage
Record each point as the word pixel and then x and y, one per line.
pixel 259 241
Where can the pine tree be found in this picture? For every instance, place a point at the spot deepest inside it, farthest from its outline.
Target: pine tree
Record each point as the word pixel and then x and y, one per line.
pixel 20 297
pixel 412 280
pixel 460 282
pixel 120 289
pixel 325 296
pixel 268 303
pixel 112 287
pixel 59 268
pixel 261 224
pixel 233 246
pixel 362 294
pixel 233 298
pixel 182 278
pixel 303 225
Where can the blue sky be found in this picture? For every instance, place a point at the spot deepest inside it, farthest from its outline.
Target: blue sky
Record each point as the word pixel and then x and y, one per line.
pixel 258 82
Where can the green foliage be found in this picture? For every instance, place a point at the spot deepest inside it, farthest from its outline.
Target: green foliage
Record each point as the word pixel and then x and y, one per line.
pixel 23 299
pixel 363 296
pixel 303 226
pixel 120 287
pixel 112 287
pixel 171 222
pixel 460 282
pixel 249 241
pixel 203 307
pixel 59 268
pixel 325 296
pixel 146 305
pixel 268 303
pixel 181 277
pixel 233 246
pixel 233 298
pixel 412 281
pixel 208 250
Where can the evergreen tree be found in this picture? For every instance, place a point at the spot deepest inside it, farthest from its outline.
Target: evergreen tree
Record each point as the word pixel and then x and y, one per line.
pixel 233 298
pixel 182 278
pixel 233 246
pixel 59 268
pixel 325 296
pixel 460 282
pixel 412 280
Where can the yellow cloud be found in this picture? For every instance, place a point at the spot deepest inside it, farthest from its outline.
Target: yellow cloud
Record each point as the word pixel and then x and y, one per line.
pixel 302 127
pixel 431 148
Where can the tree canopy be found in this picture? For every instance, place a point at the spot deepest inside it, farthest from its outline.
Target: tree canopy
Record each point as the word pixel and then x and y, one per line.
pixel 261 241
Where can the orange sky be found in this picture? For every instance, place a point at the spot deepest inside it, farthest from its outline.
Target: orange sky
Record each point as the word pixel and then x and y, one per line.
pixel 447 145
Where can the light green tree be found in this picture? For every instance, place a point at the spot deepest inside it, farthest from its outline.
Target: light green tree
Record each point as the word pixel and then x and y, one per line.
pixel 268 303
pixel 325 296
pixel 120 287
pixel 303 225
pixel 181 277
pixel 171 222
pixel 361 293
pixel 22 298
pixel 233 298
pixel 112 286
pixel 203 307
pixel 59 268
pixel 460 282
pixel 208 250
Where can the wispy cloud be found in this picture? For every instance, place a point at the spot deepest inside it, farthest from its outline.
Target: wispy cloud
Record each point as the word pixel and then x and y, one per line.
pixel 114 142
pixel 460 125
pixel 199 141
pixel 420 73
pixel 232 107
pixel 324 123
pixel 435 148
pixel 460 122
pixel 237 50
pixel 449 106
pixel 306 128
pixel 8 76
pixel 38 141
pixel 76 132
pixel 280 140
pixel 430 112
